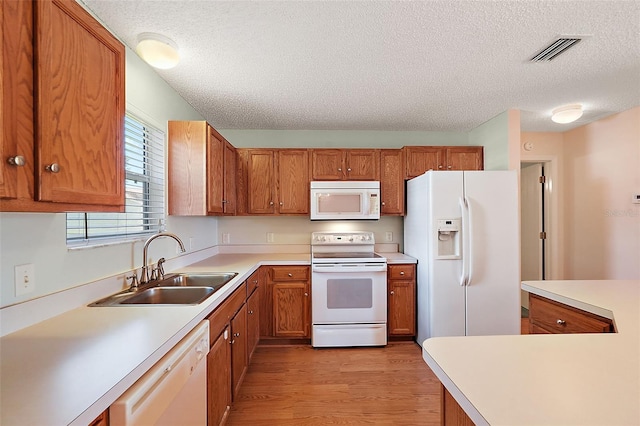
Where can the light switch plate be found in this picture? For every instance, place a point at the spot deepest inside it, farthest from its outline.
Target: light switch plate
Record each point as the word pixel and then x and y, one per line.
pixel 25 279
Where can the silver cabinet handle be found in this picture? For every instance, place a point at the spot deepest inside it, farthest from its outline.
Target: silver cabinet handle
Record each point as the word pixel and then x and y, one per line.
pixel 236 334
pixel 270 203
pixel 281 203
pixel 250 312
pixel 561 322
pixel 348 169
pixel 401 272
pixel 306 294
pixel 439 167
pixel 392 292
pixel 53 168
pixel 449 167
pixel 224 201
pixel 383 203
pixel 339 169
pixel 290 275
pixel 18 161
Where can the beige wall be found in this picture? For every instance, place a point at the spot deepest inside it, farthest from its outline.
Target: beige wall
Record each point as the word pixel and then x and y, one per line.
pixel 597 228
pixel 602 172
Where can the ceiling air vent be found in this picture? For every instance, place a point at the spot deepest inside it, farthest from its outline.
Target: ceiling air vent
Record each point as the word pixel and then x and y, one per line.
pixel 555 48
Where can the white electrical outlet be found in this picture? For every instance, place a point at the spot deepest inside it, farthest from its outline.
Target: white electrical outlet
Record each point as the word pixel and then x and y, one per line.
pixel 25 279
pixel 269 237
pixel 226 238
pixel 388 236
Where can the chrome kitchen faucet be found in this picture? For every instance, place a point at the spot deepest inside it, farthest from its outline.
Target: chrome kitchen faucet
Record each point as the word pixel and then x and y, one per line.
pixel 144 274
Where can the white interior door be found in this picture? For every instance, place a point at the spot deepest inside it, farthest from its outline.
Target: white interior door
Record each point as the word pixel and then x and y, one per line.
pixel 531 224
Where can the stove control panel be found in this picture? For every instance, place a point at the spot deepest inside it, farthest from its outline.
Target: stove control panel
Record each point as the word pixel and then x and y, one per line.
pixel 342 238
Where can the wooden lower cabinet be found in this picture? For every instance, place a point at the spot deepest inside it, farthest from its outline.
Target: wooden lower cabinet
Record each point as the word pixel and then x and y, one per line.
pixel 285 303
pixel 219 379
pixel 452 413
pixel 253 322
pixel 401 300
pixel 101 420
pixel 239 355
pixel 547 316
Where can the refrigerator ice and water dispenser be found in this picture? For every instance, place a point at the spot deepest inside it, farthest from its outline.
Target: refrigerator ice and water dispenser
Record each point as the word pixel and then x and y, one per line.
pixel 448 238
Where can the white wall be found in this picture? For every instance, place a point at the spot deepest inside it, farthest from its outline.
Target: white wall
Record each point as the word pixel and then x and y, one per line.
pixel 40 238
pixel 602 171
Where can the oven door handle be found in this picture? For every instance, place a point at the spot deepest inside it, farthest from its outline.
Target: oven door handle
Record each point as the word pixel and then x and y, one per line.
pixel 349 267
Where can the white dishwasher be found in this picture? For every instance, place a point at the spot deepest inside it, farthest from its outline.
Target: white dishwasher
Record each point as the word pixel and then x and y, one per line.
pixel 174 391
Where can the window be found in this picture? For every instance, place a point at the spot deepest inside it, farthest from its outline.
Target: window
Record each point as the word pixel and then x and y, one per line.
pixel 144 193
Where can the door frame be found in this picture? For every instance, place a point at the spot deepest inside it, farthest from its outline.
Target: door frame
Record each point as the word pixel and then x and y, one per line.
pixel 554 266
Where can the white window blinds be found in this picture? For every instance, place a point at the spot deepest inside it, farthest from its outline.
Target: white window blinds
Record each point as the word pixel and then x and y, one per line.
pixel 144 193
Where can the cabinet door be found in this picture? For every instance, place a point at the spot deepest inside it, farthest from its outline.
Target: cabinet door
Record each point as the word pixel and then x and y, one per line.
pixel 465 158
pixel 260 176
pixel 79 107
pixel 253 322
pixel 362 164
pixel 238 349
pixel 402 314
pixel 215 172
pixel 327 164
pixel 293 182
pixel 219 379
pixel 229 200
pixel 291 309
pixel 420 159
pixel 391 182
pixel 187 144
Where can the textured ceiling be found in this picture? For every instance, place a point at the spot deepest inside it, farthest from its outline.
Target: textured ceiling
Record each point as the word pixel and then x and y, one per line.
pixel 390 65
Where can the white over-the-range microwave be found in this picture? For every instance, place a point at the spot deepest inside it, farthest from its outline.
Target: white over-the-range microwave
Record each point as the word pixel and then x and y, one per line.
pixel 345 200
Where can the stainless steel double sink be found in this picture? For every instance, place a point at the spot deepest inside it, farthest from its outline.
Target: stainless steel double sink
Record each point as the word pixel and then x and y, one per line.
pixel 174 289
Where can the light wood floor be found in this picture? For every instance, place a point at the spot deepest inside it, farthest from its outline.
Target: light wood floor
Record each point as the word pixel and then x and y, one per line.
pixel 299 385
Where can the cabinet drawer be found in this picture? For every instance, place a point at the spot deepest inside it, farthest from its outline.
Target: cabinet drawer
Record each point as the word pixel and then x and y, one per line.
pixel 401 272
pixel 559 318
pixel 289 273
pixel 219 319
pixel 252 282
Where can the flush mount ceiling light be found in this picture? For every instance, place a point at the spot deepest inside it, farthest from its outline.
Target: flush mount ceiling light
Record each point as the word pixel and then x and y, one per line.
pixel 158 50
pixel 566 114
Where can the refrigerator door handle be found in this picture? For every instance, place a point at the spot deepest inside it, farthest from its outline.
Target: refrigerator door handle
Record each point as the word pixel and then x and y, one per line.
pixel 463 209
pixel 469 240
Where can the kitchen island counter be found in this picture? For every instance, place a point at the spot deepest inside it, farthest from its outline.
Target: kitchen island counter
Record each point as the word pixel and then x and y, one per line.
pixel 560 379
pixel 70 368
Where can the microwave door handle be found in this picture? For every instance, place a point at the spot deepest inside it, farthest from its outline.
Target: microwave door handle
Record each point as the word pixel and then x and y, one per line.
pixel 367 204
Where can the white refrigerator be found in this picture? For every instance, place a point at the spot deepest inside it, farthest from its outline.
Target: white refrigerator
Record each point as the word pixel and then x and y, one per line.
pixel 463 227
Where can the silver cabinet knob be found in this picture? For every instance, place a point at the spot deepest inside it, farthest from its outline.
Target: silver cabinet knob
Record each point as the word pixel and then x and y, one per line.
pixel 439 167
pixel 53 168
pixel 281 203
pixel 561 322
pixel 383 203
pixel 224 201
pixel 349 169
pixel 392 292
pixel 449 167
pixel 18 161
pixel 339 169
pixel 290 275
pixel 306 294
pixel 270 203
pixel 236 334
pixel 250 312
pixel 401 272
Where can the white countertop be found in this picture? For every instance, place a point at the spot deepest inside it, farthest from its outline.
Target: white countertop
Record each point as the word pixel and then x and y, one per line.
pixel 70 368
pixel 570 379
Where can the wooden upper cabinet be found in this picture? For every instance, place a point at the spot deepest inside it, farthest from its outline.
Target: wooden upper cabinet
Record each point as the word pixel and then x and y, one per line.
pixel 261 184
pixel 465 158
pixel 79 107
pixel 229 194
pixel 62 109
pixel 419 159
pixel 202 168
pixel 273 181
pixel 345 164
pixel 214 164
pixel 293 181
pixel 391 182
